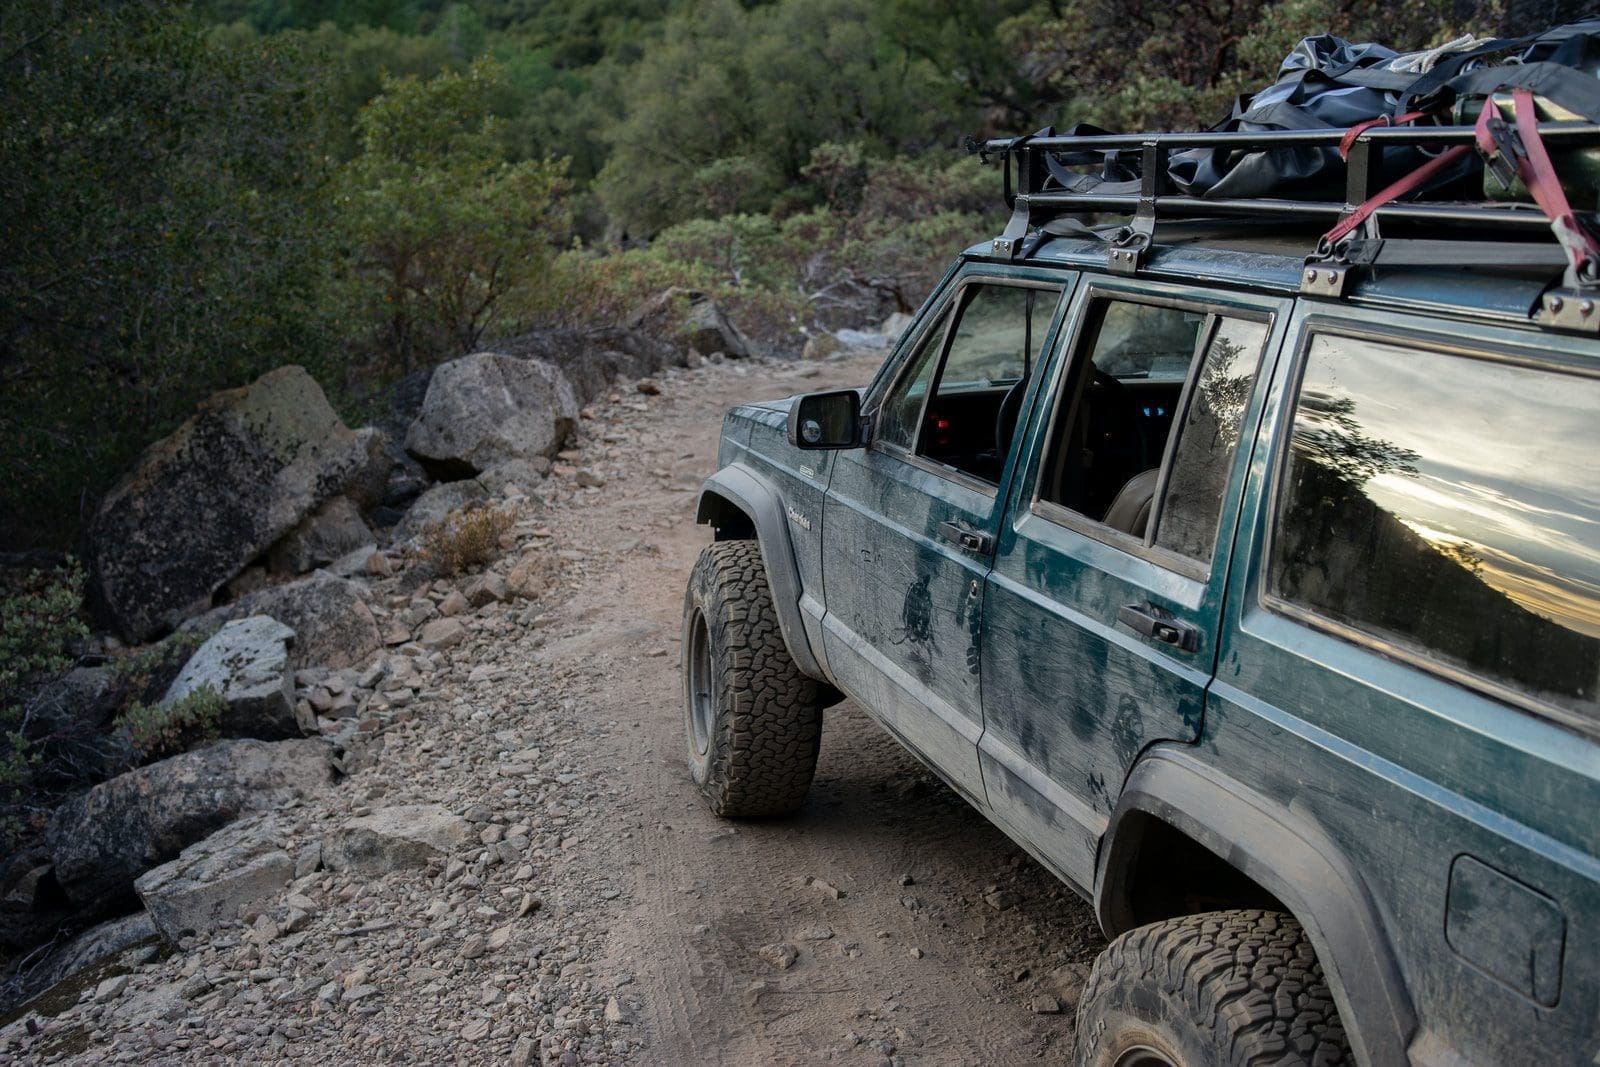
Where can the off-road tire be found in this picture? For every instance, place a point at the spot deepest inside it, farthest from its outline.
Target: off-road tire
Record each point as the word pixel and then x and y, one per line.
pixel 1226 987
pixel 761 719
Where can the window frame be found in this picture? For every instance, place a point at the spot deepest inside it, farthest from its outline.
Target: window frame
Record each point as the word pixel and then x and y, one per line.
pixel 1061 515
pixel 954 307
pixel 1392 648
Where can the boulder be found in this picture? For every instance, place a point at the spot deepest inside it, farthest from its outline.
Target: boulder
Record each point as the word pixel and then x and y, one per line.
pixel 332 624
pixel 209 881
pixel 213 495
pixel 486 408
pixel 395 839
pixel 94 946
pixel 594 358
pixel 895 325
pixel 332 531
pixel 821 346
pixel 369 485
pixel 523 475
pixel 692 318
pixel 861 338
pixel 105 838
pixel 435 504
pixel 247 664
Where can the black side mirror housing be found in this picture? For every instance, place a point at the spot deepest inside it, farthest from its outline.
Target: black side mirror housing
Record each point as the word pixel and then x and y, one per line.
pixel 827 421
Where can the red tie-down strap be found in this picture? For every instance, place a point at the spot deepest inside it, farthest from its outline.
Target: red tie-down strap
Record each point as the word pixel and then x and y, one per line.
pixel 1539 175
pixel 1532 165
pixel 1360 128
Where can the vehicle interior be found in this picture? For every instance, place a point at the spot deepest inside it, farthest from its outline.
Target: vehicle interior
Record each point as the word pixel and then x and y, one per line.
pixel 1111 422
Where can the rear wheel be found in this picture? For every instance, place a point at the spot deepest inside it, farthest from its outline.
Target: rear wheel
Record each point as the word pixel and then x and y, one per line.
pixel 1226 987
pixel 753 721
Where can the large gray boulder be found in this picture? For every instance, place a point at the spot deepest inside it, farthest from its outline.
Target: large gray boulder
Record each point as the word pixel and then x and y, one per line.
pixel 437 503
pixel 327 534
pixel 213 495
pixel 209 881
pixel 333 627
pixel 486 408
pixel 595 357
pixel 104 839
pixel 247 664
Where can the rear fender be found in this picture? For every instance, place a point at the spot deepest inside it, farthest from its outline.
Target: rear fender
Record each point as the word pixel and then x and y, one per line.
pixel 1290 858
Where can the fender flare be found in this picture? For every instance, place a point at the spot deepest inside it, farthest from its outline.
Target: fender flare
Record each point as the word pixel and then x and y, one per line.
pixel 1291 858
pixel 738 487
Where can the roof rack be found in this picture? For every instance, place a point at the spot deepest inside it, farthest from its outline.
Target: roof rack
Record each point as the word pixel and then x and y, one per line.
pixel 1329 272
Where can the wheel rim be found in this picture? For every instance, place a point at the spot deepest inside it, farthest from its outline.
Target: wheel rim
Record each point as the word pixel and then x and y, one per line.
pixel 700 709
pixel 1144 1056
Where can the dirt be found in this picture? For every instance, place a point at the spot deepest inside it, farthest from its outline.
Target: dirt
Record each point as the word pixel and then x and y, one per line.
pixel 598 912
pixel 918 965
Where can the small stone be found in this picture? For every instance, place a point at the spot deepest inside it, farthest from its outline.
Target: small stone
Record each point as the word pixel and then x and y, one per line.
pixel 473 947
pixel 615 1012
pixel 378 565
pixel 649 387
pixel 916 953
pixel 906 879
pixel 110 989
pixel 476 1030
pixel 817 933
pixel 1045 1006
pixel 523 1051
pixel 453 604
pixel 827 888
pixel 497 939
pixel 589 478
pixel 441 634
pixel 1003 899
pixel 529 903
pixel 358 993
pixel 781 954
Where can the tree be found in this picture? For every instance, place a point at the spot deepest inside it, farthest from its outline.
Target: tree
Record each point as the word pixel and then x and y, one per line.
pixel 441 226
pixel 161 237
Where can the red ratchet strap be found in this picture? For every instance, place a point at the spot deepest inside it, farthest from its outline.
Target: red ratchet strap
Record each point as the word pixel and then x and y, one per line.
pixel 1539 175
pixel 1410 183
pixel 1382 120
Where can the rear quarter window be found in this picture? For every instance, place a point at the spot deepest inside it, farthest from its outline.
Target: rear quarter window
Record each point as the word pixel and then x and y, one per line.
pixel 1446 506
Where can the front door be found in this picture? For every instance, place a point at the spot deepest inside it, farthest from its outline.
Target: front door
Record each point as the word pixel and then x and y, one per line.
pixel 909 522
pixel 1103 604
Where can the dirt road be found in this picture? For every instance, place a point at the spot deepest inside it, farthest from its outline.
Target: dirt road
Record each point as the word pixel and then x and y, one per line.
pixel 910 944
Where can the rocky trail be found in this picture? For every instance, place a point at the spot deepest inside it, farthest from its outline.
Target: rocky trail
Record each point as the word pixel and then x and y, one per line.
pixel 515 866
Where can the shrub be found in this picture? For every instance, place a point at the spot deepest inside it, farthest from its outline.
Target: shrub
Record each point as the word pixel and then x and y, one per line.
pixel 467 537
pixel 157 730
pixel 38 621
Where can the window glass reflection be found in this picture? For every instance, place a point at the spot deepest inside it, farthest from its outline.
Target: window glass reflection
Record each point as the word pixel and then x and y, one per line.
pixel 1449 503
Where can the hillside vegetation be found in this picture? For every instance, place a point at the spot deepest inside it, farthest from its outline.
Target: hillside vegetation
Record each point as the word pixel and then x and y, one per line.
pixel 191 195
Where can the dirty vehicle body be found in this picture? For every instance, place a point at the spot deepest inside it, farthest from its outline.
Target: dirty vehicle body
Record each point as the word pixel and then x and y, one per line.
pixel 1263 612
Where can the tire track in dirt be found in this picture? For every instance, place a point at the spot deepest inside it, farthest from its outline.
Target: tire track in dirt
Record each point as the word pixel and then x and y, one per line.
pixel 922 973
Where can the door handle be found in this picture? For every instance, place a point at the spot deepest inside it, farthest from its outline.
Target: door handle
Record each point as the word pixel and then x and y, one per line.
pixel 1160 624
pixel 963 533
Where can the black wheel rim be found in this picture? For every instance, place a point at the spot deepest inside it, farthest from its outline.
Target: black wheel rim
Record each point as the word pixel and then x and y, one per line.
pixel 700 707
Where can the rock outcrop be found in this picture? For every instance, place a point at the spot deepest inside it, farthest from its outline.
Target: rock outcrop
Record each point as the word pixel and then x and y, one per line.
pixel 209 881
pixel 327 534
pixel 212 496
pixel 333 627
pixel 394 839
pixel 247 664
pixel 104 839
pixel 486 408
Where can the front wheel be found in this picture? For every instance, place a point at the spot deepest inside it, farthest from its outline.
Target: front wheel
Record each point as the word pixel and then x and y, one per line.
pixel 1235 988
pixel 754 722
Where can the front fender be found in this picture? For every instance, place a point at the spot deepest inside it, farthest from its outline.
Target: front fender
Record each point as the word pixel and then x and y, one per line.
pixel 1290 858
pixel 739 498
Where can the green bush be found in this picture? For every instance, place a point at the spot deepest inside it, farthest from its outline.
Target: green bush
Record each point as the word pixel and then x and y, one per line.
pixel 39 620
pixel 158 730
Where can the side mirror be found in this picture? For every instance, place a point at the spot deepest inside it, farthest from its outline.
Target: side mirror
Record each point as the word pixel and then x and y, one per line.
pixel 826 420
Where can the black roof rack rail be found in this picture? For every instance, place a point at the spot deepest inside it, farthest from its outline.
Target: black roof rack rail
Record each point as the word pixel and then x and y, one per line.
pixel 1034 205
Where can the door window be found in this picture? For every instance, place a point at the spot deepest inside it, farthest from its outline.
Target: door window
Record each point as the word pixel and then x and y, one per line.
pixel 1447 505
pixel 1145 428
pixel 958 400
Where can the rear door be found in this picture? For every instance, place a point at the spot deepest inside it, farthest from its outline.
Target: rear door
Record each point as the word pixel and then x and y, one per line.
pixel 1103 605
pixel 909 521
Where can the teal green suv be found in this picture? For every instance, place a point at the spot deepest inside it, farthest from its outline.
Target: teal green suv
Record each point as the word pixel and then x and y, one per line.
pixel 1250 582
